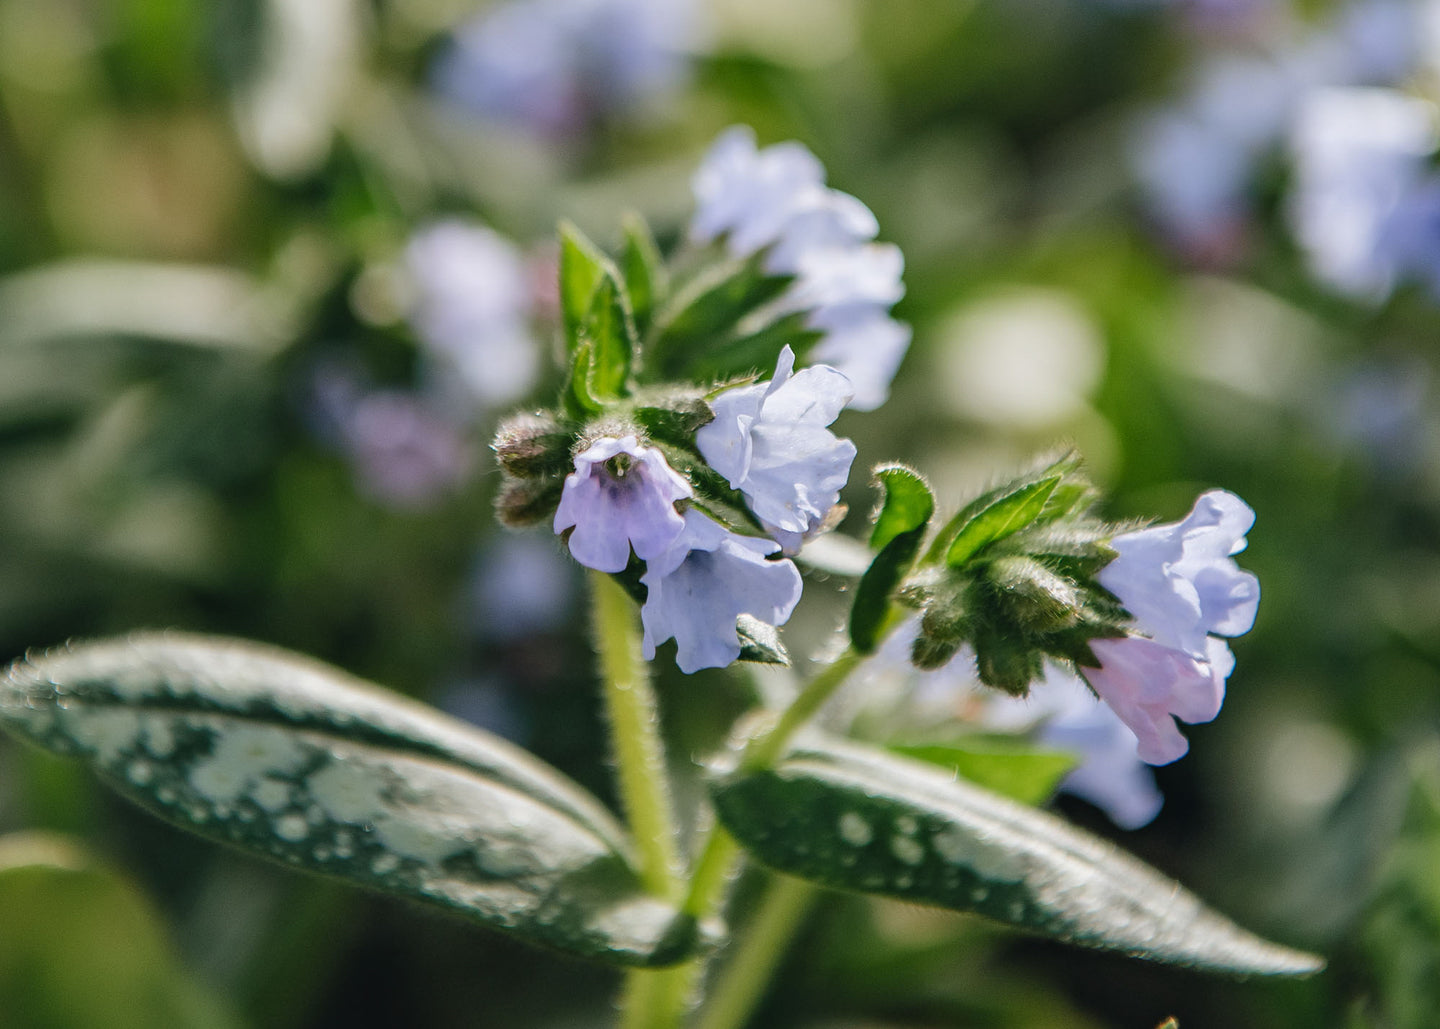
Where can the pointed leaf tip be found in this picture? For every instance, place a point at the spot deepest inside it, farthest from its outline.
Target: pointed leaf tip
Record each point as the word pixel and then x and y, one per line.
pixel 856 818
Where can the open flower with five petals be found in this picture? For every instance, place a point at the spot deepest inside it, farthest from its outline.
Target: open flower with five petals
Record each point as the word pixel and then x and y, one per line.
pixel 621 494
pixel 772 442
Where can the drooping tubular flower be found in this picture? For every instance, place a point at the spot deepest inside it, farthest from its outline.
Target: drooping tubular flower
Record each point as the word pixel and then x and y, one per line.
pixel 707 579
pixel 771 441
pixel 621 494
pixel 1181 584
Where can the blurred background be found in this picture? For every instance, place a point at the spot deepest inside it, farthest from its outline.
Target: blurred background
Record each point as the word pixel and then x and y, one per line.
pixel 270 270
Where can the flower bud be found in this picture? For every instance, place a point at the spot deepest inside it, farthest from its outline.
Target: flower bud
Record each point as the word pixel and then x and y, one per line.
pixel 526 502
pixel 531 445
pixel 1039 599
pixel 1008 664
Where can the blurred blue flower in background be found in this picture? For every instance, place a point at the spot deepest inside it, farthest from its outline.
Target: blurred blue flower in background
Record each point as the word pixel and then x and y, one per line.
pixel 553 66
pixel 1197 161
pixel 471 306
pixel 1360 155
pixel 404 454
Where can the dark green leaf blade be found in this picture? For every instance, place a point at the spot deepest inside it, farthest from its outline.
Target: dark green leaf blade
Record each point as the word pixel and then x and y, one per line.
pixel 1006 516
pixel 295 761
pixel 857 818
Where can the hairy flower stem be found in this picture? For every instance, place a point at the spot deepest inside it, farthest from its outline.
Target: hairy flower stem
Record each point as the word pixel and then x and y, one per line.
pixel 674 988
pixel 743 981
pixel 635 737
pixel 643 781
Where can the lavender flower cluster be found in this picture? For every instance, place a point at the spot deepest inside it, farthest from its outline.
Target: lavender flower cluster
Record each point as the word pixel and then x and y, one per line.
pixel 698 494
pixel 772 443
pixel 708 564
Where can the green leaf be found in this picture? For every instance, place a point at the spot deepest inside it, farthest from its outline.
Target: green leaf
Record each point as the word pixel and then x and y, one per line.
pixel 756 352
pixel 1004 517
pixel 295 761
pixel 1011 768
pixel 900 526
pixel 907 506
pixel 760 642
pixel 582 266
pixel 610 339
pixel 676 420
pixel 644 271
pixel 82 947
pixel 578 399
pixel 856 818
pixel 700 325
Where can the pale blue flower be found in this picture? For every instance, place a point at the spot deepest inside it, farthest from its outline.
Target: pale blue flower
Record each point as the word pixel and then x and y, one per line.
pixel 775 199
pixel 471 308
pixel 620 495
pixel 707 579
pixel 771 442
pixel 1180 581
pixel 864 346
pixel 1180 584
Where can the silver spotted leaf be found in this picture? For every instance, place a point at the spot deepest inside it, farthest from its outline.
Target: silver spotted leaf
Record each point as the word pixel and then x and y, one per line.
pixel 857 818
pixel 298 762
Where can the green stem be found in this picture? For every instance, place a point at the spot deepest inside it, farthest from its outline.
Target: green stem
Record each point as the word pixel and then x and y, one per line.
pixel 635 735
pixel 765 749
pixel 743 982
pixel 675 987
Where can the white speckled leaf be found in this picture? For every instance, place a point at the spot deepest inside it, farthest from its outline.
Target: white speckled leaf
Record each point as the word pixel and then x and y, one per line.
pixel 856 818
pixel 296 761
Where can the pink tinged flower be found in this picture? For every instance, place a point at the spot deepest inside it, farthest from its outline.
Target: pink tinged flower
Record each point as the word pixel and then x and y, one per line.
pixel 1180 582
pixel 1150 685
pixel 621 495
pixel 771 442
pixel 708 578
pixel 1063 714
